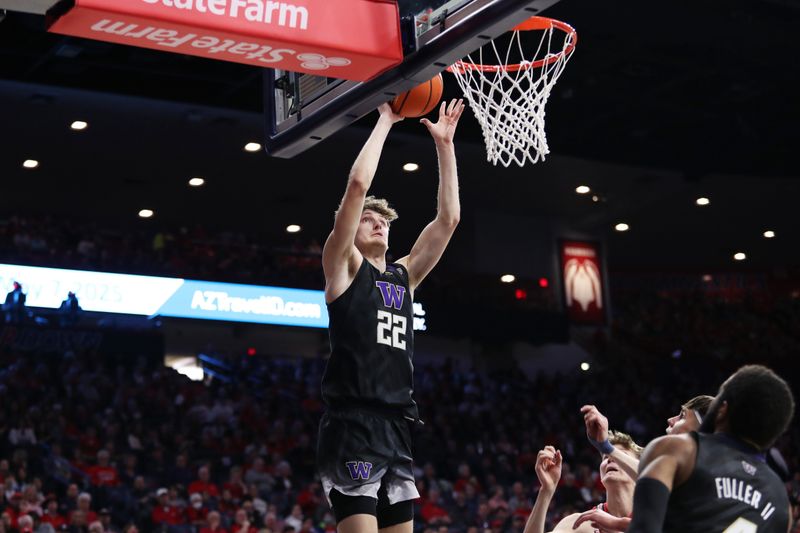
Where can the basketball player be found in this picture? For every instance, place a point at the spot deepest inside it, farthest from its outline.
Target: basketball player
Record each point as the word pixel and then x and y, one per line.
pixel 364 447
pixel 718 480
pixel 619 486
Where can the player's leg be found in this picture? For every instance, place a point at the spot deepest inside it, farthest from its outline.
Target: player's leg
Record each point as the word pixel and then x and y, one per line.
pixel 354 514
pixel 394 518
pixel 358 523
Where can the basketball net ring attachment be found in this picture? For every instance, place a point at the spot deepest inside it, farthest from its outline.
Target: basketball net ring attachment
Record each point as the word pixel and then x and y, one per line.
pixel 509 99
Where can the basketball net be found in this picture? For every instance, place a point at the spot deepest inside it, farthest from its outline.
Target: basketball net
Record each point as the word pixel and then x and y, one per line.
pixel 509 100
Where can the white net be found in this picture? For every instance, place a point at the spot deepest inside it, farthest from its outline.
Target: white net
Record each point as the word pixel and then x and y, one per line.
pixel 509 103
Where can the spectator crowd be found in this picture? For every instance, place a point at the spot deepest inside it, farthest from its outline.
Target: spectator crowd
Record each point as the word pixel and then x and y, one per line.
pixel 88 446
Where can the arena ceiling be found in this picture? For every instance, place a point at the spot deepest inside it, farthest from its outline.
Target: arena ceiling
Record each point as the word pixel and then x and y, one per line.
pixel 661 104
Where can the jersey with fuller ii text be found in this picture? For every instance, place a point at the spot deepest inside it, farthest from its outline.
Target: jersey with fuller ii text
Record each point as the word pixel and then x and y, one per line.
pixel 731 490
pixel 372 343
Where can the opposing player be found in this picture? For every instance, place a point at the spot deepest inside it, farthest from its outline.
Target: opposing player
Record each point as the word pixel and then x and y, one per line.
pixel 364 449
pixel 718 480
pixel 619 487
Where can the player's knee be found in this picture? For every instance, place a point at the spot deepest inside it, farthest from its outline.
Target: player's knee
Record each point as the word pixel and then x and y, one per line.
pixel 357 523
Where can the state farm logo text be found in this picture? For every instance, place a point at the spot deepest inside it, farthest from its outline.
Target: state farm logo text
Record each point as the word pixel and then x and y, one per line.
pixel 210 45
pixel 266 11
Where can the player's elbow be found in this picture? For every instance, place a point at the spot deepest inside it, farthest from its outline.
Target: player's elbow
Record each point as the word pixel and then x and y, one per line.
pixel 358 182
pixel 450 220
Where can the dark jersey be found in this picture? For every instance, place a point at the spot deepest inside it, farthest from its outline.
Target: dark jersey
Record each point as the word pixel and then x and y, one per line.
pixel 372 342
pixel 730 490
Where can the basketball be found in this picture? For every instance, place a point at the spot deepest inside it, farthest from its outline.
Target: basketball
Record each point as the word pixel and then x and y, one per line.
pixel 420 100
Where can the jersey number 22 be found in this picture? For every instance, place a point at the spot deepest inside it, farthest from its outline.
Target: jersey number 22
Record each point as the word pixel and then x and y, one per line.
pixel 392 330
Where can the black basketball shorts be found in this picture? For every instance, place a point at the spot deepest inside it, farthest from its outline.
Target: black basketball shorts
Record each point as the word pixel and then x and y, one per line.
pixel 360 450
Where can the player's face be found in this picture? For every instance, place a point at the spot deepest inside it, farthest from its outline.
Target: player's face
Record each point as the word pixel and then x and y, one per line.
pixel 373 231
pixel 611 472
pixel 683 422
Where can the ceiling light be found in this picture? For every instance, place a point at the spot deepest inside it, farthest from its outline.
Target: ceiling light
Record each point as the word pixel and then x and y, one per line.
pixel 585 366
pixel 293 228
pixel 707 278
pixel 410 167
pixel 740 256
pixel 252 147
pixel 507 278
pixel 146 213
pixel 769 234
pixel 622 227
pixel 79 125
pixel 702 201
pixel 595 198
pixel 582 189
pixel 30 163
pixel 196 182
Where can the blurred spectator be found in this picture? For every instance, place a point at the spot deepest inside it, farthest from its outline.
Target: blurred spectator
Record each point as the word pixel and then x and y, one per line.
pixel 202 484
pixel 51 515
pixel 14 306
pixel 103 474
pixel 242 523
pixel 69 311
pixel 214 524
pixel 164 512
pixel 197 512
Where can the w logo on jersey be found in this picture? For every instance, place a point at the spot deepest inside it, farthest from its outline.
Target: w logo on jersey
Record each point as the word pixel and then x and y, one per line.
pixel 392 294
pixel 359 469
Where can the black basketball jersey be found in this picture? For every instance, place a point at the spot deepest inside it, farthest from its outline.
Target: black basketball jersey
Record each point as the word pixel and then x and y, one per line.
pixel 372 342
pixel 731 489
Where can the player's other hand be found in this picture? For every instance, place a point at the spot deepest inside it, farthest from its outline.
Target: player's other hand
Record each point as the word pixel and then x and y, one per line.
pixel 602 521
pixel 548 468
pixel 445 128
pixel 596 423
pixel 386 113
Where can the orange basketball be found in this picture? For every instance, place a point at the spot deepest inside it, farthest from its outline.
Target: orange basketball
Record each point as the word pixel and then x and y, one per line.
pixel 420 100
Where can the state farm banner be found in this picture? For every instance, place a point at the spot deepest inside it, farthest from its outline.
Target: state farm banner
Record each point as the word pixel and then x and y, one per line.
pixel 347 39
pixel 582 278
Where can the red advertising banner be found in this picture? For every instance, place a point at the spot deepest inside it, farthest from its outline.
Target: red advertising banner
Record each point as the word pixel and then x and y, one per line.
pixel 347 39
pixel 582 278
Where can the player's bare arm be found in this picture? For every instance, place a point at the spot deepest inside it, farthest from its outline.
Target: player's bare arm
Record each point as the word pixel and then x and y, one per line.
pixel 433 240
pixel 548 470
pixel 597 433
pixel 340 258
pixel 602 521
pixel 666 463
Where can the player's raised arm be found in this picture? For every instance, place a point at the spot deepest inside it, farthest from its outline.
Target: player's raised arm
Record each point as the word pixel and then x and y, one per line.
pixel 433 240
pixel 339 250
pixel 597 433
pixel 548 470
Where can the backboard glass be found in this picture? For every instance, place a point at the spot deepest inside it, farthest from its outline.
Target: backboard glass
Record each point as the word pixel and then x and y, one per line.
pixel 302 110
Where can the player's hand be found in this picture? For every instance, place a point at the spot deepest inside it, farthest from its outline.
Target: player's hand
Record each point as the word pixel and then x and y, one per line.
pixel 596 423
pixel 444 130
pixel 602 521
pixel 548 468
pixel 386 113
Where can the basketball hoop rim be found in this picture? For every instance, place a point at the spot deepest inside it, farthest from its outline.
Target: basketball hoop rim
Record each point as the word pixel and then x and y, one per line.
pixel 533 23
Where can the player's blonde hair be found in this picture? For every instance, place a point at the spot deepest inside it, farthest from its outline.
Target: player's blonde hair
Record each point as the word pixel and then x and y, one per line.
pixel 618 438
pixel 380 206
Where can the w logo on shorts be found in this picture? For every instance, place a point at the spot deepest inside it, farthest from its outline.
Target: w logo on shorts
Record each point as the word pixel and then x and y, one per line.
pixel 359 469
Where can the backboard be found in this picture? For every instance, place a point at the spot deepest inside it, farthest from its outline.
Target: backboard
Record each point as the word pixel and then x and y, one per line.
pixel 302 109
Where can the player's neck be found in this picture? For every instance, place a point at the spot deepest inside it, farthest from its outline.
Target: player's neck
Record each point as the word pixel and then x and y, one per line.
pixel 378 260
pixel 620 500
